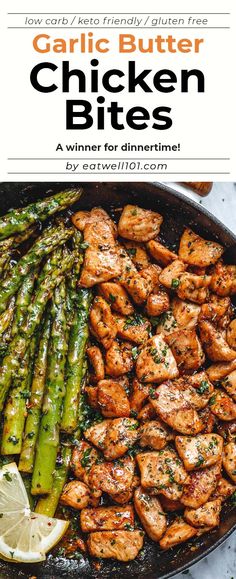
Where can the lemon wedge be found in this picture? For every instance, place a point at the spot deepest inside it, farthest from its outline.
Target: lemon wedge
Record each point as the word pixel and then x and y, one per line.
pixel 25 537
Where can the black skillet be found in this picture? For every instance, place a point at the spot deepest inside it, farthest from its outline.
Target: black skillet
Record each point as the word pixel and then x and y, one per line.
pixel 178 212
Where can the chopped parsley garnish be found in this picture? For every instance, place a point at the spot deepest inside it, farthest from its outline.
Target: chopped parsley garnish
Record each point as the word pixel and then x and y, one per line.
pixel 175 283
pixel 204 387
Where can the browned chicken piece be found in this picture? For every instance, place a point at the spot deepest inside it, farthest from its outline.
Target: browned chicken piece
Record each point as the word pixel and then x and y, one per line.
pixel 112 400
pixel 96 434
pixel 229 459
pixel 147 413
pixel 140 393
pixel 178 532
pixel 199 451
pixel 208 420
pixel 151 275
pixel 106 518
pixel 208 515
pixel 200 486
pixel 92 394
pixel 227 430
pixel 102 322
pixel 101 260
pixel 83 458
pixel 187 350
pixel 223 490
pixel 218 371
pixel 119 359
pixel 194 287
pixel 162 470
pixel 217 310
pixel 149 510
pixel 195 250
pixel 222 405
pixel 138 254
pixel 126 496
pixel 96 360
pixel 214 343
pixel 162 254
pixel 135 328
pixel 156 362
pixel 171 506
pixel 112 477
pixel 121 435
pixel 80 219
pixel 185 313
pixel 136 286
pixel 71 543
pixel 172 407
pixel 229 384
pixel 158 302
pixel 154 434
pixel 223 279
pixel 170 275
pixel 231 334
pixel 139 224
pixel 167 324
pixel 198 389
pixel 120 545
pixel 75 494
pixel 117 297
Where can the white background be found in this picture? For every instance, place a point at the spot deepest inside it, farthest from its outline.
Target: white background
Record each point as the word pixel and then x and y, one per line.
pixel 32 123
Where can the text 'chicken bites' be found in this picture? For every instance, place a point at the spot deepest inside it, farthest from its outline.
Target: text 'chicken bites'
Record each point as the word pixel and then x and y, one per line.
pixel 158 451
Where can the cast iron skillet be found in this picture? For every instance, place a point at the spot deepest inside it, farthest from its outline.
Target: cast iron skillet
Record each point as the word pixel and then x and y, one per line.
pixel 178 212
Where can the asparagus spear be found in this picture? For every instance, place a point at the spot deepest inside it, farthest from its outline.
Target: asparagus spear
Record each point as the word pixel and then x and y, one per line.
pixel 20 342
pixel 15 409
pixel 48 439
pixel 7 316
pixel 4 261
pixel 23 300
pixel 16 240
pixel 76 352
pixel 47 505
pixel 19 220
pixel 37 389
pixel 44 245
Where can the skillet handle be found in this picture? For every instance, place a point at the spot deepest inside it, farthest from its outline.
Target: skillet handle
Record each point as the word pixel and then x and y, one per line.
pixel 199 187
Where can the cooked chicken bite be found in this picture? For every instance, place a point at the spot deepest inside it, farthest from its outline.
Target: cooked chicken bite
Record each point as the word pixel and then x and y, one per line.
pixel 135 328
pixel 208 419
pixel 217 310
pixel 229 384
pixel 218 371
pixel 170 505
pixel 112 400
pixel 158 302
pixel 154 434
pixel 223 279
pixel 83 458
pixel 187 349
pixel 112 477
pixel 96 433
pixel 162 470
pixel 229 459
pixel 137 253
pixel 227 430
pixel 185 313
pixel 162 254
pixel 75 494
pixel 200 486
pixel 120 545
pixel 199 451
pixel 80 219
pixel 117 297
pixel 101 260
pixel 139 224
pixel 151 275
pixel 194 287
pixel 149 510
pixel 197 389
pixel 136 286
pixel 102 322
pixel 195 250
pixel 106 518
pixel 173 408
pixel 214 343
pixel 96 360
pixel 121 435
pixel 207 515
pixel 140 393
pixel 156 362
pixel 178 532
pixel 223 490
pixel 170 275
pixel 147 413
pixel 167 323
pixel 231 334
pixel 119 359
pixel 222 405
pixel 92 394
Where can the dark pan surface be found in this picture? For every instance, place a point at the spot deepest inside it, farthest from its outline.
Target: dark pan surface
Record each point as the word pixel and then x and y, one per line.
pixel 178 212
